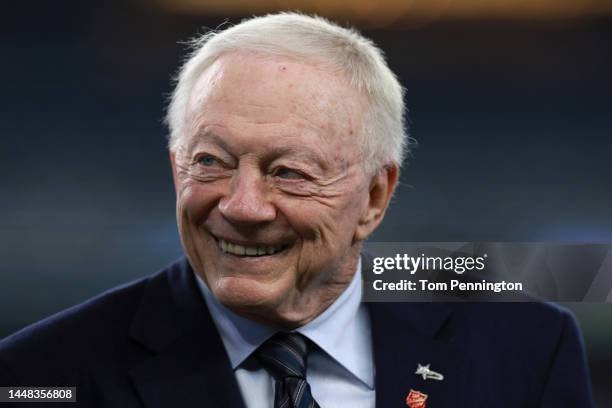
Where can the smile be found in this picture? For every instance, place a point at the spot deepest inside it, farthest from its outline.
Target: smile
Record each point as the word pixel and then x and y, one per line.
pixel 248 250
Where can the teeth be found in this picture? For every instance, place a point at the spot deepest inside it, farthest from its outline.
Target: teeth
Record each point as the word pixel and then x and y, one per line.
pixel 240 250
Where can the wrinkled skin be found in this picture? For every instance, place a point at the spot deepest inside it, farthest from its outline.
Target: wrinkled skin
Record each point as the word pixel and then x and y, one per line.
pixel 269 157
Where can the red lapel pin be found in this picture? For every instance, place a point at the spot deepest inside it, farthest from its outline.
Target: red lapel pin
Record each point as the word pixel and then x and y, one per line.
pixel 416 399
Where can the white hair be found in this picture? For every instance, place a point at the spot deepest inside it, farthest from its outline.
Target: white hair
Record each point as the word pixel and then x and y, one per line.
pixel 383 135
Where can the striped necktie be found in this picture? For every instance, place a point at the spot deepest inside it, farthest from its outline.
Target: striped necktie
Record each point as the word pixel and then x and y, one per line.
pixel 284 357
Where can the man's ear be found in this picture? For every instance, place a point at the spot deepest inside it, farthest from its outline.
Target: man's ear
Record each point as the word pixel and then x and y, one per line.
pixel 174 175
pixel 381 190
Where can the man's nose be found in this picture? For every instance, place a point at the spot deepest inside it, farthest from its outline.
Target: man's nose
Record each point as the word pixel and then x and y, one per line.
pixel 247 202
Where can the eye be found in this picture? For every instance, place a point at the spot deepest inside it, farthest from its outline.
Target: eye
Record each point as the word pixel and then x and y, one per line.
pixel 208 161
pixel 288 174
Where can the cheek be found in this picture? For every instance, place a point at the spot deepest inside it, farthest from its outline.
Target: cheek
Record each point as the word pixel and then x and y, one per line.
pixel 330 222
pixel 196 200
pixel 326 233
pixel 342 226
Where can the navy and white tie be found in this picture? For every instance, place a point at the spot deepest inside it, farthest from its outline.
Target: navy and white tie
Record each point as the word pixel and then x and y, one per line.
pixel 284 357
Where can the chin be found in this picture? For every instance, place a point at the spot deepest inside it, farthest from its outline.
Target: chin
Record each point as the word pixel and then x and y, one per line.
pixel 263 302
pixel 246 293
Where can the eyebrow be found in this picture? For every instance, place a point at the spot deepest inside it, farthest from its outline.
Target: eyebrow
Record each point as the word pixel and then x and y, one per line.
pixel 213 137
pixel 274 153
pixel 306 154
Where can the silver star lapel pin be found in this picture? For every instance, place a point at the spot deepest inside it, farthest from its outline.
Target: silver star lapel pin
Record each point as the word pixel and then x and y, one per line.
pixel 426 372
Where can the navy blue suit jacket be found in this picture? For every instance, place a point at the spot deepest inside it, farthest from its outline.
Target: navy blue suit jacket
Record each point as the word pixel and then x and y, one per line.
pixel 152 343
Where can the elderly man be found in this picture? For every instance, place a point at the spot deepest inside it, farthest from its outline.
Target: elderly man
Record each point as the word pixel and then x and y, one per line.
pixel 286 137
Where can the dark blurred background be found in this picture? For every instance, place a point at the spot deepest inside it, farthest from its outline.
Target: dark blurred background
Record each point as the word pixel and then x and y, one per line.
pixel 510 101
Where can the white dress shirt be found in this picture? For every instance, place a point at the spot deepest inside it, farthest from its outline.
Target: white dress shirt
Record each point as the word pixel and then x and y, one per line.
pixel 340 371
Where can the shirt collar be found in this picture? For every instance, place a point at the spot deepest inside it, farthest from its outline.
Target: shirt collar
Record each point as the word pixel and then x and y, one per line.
pixel 342 331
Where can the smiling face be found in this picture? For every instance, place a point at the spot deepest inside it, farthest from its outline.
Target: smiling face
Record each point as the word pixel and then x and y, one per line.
pixel 272 200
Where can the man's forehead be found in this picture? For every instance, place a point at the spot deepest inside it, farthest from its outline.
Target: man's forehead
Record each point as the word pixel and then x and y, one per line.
pixel 247 66
pixel 257 101
pixel 276 82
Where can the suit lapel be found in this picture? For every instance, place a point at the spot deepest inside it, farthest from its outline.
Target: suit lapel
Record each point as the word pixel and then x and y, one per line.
pixel 189 366
pixel 408 334
pixel 405 335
